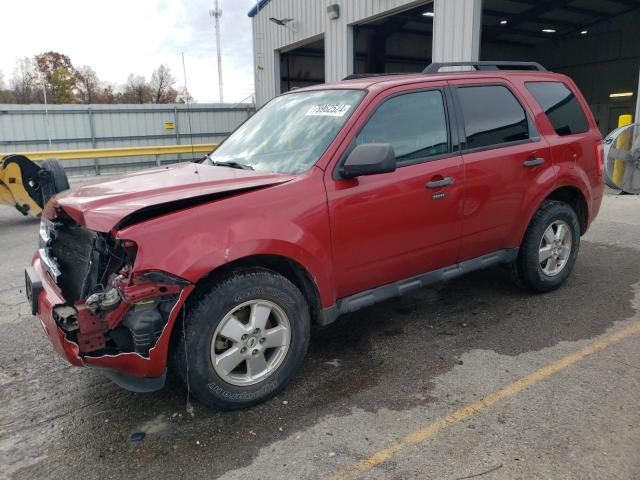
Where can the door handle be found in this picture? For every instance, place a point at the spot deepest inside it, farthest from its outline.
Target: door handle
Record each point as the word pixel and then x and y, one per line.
pixel 533 162
pixel 445 182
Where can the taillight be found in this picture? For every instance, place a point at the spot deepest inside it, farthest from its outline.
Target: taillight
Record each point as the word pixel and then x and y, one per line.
pixel 600 157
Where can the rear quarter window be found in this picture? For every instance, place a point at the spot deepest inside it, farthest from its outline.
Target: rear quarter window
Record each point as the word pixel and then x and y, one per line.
pixel 561 106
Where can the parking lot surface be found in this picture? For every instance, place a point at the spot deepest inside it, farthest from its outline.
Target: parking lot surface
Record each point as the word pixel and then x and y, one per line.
pixel 427 386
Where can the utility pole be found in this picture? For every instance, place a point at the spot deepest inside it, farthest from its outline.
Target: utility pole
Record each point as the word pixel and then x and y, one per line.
pixel 216 13
pixel 46 109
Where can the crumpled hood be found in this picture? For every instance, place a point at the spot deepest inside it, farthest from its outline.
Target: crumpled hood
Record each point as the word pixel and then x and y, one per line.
pixel 103 206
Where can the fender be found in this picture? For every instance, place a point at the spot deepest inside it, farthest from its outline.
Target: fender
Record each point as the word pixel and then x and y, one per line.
pixel 244 226
pixel 564 177
pixel 315 261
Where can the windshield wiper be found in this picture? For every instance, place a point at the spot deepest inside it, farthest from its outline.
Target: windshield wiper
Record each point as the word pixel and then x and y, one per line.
pixel 231 164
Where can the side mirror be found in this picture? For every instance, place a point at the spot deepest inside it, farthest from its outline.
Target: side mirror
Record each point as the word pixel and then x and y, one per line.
pixel 369 159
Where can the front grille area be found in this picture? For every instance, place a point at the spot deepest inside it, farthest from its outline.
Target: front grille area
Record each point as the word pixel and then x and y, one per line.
pixel 71 247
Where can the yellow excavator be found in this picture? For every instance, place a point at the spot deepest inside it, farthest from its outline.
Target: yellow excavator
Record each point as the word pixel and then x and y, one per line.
pixel 28 186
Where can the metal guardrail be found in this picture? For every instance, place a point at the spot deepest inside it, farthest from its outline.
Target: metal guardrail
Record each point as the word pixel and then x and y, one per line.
pixel 117 152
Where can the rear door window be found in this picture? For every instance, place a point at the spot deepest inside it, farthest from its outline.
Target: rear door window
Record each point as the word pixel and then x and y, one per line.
pixel 415 124
pixel 492 116
pixel 561 106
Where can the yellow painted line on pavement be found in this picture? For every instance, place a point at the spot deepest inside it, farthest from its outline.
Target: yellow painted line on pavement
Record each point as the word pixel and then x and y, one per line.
pixel 475 408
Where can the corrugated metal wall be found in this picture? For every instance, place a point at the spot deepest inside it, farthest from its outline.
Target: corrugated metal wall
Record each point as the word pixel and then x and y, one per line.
pixel 456 30
pixel 456 33
pixel 26 128
pixel 310 21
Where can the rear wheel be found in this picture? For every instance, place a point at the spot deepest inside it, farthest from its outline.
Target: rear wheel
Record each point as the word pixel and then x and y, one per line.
pixel 550 247
pixel 244 340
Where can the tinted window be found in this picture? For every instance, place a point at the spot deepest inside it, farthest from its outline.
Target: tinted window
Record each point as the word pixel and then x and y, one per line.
pixel 492 116
pixel 561 106
pixel 414 123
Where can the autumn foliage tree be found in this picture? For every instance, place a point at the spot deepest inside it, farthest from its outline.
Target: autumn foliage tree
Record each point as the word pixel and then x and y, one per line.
pixel 58 75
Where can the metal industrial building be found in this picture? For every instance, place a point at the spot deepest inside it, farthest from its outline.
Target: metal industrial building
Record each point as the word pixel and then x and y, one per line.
pixel 596 42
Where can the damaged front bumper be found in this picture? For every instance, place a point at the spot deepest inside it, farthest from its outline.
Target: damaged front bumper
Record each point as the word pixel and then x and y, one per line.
pixel 86 337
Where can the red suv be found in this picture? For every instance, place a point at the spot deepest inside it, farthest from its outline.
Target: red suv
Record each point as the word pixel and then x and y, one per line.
pixel 329 199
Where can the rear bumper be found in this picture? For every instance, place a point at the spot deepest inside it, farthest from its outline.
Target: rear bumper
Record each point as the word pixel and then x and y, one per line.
pixel 129 370
pixel 596 203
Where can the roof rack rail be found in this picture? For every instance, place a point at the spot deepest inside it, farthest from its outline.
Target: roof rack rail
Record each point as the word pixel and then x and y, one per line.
pixel 484 66
pixel 355 76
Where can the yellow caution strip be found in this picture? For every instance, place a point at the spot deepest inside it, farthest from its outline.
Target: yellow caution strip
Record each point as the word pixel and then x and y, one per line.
pixel 475 408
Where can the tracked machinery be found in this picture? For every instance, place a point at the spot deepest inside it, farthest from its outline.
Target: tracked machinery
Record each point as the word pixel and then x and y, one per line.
pixel 28 186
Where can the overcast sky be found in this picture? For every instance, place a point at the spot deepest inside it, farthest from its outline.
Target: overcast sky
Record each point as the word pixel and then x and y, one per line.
pixel 119 37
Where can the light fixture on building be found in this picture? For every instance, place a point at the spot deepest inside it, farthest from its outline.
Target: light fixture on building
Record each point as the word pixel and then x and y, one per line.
pixel 503 22
pixel 333 11
pixel 427 14
pixel 281 21
pixel 621 95
pixel 548 30
pixel 584 32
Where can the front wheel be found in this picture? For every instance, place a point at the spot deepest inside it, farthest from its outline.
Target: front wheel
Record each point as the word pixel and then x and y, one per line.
pixel 550 247
pixel 244 340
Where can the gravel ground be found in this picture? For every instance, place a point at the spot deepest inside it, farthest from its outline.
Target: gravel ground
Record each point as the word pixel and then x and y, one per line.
pixel 368 380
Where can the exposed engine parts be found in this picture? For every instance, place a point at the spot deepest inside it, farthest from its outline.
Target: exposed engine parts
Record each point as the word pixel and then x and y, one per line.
pixel 114 311
pixel 103 300
pixel 145 322
pixel 129 317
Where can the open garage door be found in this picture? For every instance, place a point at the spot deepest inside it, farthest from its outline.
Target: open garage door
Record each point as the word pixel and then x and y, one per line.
pixel 595 42
pixel 302 66
pixel 401 42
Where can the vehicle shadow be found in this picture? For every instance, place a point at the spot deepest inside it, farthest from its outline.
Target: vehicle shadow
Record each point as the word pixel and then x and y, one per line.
pixel 382 357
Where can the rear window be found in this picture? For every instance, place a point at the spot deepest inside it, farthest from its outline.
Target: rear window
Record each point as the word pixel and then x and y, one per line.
pixel 492 116
pixel 561 106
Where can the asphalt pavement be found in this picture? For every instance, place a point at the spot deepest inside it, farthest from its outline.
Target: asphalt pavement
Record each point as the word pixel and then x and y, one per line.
pixel 475 378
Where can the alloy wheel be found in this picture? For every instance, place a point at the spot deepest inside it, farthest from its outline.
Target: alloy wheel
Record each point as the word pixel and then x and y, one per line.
pixel 251 342
pixel 555 248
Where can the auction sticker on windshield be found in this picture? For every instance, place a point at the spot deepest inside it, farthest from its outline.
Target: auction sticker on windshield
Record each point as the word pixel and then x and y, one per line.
pixel 329 110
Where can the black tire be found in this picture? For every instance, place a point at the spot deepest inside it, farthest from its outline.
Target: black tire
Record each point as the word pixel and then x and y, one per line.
pixel 528 266
pixel 58 175
pixel 192 358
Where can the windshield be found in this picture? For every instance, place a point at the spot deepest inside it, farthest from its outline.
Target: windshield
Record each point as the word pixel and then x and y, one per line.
pixel 290 133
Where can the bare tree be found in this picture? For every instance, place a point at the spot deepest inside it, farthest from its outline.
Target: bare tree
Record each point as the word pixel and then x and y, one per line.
pixel 136 90
pixel 162 82
pixel 107 94
pixel 88 86
pixel 5 95
pixel 184 96
pixel 24 82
